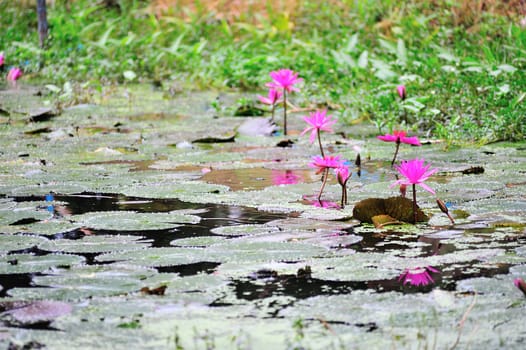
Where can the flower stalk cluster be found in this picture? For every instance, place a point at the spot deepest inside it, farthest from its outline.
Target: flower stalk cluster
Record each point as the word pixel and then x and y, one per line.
pixel 282 84
pixel 317 122
pixel 411 173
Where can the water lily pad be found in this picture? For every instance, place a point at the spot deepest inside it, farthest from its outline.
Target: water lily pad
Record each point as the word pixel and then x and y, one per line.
pixel 85 282
pixel 178 190
pixel 18 242
pixel 133 221
pixel 198 242
pixel 27 263
pixel 242 251
pixel 21 213
pixel 49 227
pixel 43 189
pixel 95 244
pixel 23 313
pixel 243 230
pixel 157 256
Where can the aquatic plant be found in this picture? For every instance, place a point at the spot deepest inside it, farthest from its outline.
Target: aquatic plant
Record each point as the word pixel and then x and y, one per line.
pixel 343 175
pixel 323 164
pixel 399 137
pixel 14 74
pixel 284 80
pixel 519 283
pixel 318 121
pixel 414 173
pixel 418 276
pixel 444 209
pixel 272 99
pixel 401 91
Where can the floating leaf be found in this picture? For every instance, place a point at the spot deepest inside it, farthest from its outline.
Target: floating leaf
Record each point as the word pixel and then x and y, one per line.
pixel 85 282
pixel 23 313
pixel 244 230
pixel 95 244
pixel 133 221
pixel 157 257
pixel 18 242
pixel 28 263
pixel 380 221
pixel 245 251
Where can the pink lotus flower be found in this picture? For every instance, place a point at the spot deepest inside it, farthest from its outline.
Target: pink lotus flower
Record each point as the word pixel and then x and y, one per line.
pixel 284 79
pixel 401 91
pixel 287 178
pixel 14 74
pixel 1 59
pixel 414 172
pixel 318 121
pixel 418 276
pixel 324 163
pixel 399 137
pixel 273 97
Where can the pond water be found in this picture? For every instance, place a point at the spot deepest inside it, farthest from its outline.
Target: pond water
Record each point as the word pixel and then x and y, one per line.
pixel 258 284
pixel 136 227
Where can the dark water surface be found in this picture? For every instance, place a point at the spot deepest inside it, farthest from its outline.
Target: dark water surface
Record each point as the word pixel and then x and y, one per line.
pixel 262 284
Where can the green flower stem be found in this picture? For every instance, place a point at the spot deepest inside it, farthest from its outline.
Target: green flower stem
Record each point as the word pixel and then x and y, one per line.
pixel 284 112
pixel 414 203
pixel 319 142
pixel 344 196
pixel 396 152
pixel 325 175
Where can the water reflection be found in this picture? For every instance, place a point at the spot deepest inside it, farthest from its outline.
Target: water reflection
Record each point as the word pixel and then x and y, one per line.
pixel 310 200
pixel 287 177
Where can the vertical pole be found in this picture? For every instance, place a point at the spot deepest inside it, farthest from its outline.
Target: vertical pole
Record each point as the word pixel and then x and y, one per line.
pixel 42 22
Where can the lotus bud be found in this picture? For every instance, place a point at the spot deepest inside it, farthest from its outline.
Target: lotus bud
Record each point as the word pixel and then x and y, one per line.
pixel 444 209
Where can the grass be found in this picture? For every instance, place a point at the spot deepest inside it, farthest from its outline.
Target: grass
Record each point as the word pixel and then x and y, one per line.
pixel 463 62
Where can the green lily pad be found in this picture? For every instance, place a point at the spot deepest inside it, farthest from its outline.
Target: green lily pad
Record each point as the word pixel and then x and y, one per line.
pixel 242 251
pixel 133 221
pixel 85 282
pixel 42 190
pixel 178 190
pixel 18 242
pixel 244 230
pixel 95 244
pixel 157 257
pixel 21 212
pixel 28 313
pixel 27 263
pixel 198 242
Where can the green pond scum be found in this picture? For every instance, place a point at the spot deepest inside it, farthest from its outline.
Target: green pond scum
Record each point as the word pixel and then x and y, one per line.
pixel 138 211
